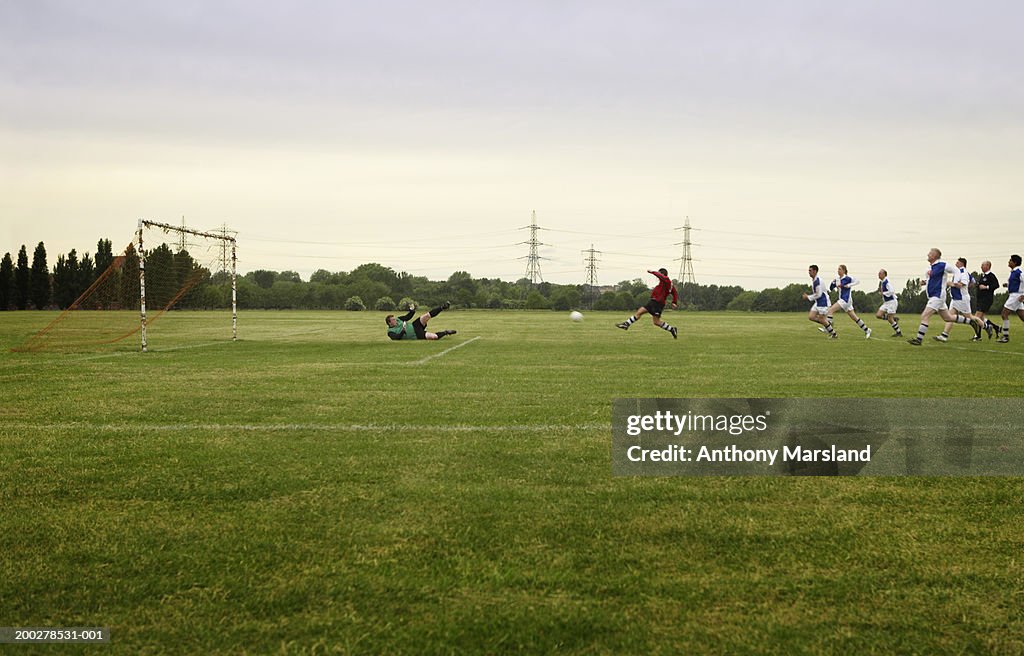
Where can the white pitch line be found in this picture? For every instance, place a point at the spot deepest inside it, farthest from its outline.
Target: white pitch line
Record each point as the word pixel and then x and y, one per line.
pixel 950 346
pixel 446 351
pixel 287 335
pixel 309 427
pixel 154 351
pixel 194 346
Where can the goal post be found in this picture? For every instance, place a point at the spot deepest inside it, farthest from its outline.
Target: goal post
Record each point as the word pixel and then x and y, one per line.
pixel 164 266
pixel 181 230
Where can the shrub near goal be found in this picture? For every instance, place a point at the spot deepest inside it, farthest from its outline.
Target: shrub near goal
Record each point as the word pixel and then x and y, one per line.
pixel 143 282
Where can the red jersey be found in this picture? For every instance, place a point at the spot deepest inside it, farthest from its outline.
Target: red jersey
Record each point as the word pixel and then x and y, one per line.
pixel 660 293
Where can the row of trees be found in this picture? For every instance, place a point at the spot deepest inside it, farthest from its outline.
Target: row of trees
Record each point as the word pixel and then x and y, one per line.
pixel 374 286
pixel 169 276
pixel 176 277
pixel 790 299
pixel 22 286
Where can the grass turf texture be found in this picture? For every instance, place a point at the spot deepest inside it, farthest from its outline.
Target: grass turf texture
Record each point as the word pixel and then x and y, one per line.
pixel 316 488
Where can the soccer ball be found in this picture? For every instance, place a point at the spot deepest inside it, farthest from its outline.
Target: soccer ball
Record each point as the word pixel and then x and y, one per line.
pixel 575 316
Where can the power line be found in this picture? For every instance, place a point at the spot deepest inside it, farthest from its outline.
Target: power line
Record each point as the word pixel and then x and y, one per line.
pixel 760 235
pixel 603 234
pixel 444 238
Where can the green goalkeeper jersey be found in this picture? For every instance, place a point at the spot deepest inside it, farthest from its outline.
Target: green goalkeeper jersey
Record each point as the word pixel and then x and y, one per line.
pixel 402 330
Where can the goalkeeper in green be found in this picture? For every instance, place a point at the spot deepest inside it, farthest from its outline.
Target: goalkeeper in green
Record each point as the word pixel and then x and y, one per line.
pixel 402 328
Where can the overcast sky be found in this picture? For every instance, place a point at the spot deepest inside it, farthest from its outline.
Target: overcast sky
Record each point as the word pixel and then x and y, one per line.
pixel 421 135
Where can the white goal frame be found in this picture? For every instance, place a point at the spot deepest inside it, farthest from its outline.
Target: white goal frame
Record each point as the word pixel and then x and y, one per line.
pixel 143 224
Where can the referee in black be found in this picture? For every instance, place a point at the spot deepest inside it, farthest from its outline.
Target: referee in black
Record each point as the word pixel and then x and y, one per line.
pixel 987 286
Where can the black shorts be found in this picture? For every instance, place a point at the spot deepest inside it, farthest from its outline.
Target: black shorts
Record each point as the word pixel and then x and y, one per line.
pixel 421 330
pixel 654 307
pixel 985 304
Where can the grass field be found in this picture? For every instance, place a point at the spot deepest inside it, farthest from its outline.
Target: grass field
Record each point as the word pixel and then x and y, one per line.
pixel 315 488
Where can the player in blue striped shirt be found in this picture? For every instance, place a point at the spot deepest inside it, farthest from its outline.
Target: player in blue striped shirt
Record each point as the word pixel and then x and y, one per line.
pixel 960 301
pixel 887 310
pixel 844 282
pixel 935 281
pixel 819 303
pixel 1015 300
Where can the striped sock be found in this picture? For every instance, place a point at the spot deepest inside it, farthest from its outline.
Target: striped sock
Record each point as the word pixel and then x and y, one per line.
pixel 630 321
pixel 921 330
pixel 664 326
pixel 863 326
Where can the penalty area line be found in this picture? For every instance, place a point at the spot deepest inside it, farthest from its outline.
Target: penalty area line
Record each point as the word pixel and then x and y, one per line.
pixel 445 352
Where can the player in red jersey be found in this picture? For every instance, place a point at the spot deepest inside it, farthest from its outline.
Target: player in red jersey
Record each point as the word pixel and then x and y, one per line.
pixel 654 307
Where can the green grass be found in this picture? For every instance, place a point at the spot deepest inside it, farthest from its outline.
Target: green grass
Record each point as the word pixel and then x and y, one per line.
pixel 315 488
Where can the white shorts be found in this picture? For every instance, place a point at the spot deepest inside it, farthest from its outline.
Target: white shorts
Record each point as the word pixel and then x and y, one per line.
pixel 845 306
pixel 1014 302
pixel 820 309
pixel 963 306
pixel 936 304
pixel 889 307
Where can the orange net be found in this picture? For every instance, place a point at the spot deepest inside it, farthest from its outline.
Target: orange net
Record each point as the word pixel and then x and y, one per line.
pixel 107 312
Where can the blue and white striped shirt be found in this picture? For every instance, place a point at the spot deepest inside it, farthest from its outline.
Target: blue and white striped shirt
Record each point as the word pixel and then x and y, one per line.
pixel 960 293
pixel 937 279
pixel 887 292
pixel 1014 283
pixel 818 294
pixel 843 285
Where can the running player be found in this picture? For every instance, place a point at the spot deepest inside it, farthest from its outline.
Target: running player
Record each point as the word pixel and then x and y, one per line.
pixel 960 302
pixel 819 303
pixel 987 286
pixel 1015 300
pixel 844 283
pixel 936 284
pixel 655 306
pixel 887 310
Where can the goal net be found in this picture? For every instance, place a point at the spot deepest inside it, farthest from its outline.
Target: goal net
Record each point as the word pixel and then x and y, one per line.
pixel 164 267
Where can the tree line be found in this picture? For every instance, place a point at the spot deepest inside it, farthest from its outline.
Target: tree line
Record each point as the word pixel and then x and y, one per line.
pixel 176 276
pixel 113 280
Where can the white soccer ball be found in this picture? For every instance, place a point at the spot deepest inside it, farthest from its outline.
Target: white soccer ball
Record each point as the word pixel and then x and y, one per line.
pixel 575 316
